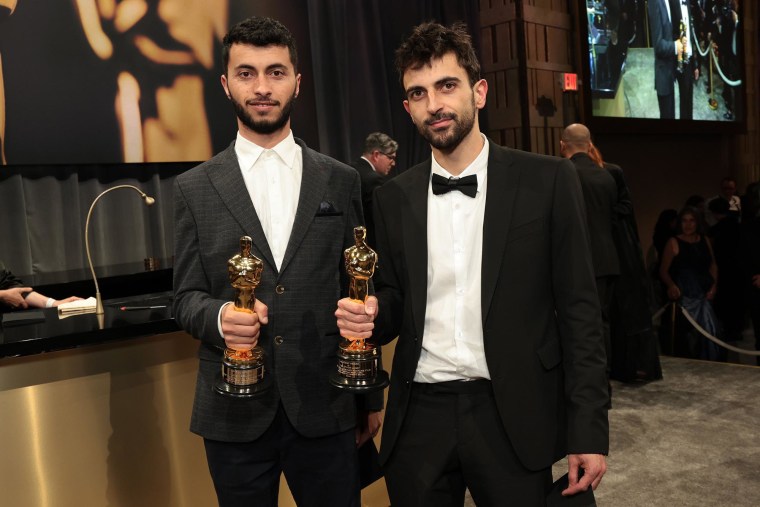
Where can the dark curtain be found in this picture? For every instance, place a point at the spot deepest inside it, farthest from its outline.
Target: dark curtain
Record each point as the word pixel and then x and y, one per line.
pixel 45 208
pixel 357 86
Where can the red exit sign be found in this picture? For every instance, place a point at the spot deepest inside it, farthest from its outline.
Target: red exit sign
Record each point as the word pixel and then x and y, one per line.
pixel 569 82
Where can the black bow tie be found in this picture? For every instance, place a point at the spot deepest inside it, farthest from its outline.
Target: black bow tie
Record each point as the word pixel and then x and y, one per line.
pixel 467 185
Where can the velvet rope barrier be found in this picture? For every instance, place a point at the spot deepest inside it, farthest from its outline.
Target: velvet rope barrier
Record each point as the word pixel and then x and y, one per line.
pixel 710 50
pixel 704 333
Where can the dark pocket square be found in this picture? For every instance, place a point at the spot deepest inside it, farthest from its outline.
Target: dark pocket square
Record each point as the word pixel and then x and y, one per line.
pixel 326 209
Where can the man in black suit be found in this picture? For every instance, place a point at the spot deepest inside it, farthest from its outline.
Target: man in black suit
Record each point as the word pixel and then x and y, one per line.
pixel 300 209
pixel 485 276
pixel 600 195
pixel 670 27
pixel 376 162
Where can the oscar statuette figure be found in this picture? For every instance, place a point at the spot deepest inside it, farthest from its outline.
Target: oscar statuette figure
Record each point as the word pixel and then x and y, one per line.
pixel 682 55
pixel 243 370
pixel 359 367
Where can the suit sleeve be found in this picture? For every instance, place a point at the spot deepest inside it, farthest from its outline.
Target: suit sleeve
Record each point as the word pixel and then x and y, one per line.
pixel 387 279
pixel 579 317
pixel 623 205
pixel 663 46
pixel 7 279
pixel 194 309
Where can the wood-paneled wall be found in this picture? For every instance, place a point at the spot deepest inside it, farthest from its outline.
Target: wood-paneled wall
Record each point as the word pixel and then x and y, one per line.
pixel 747 146
pixel 526 45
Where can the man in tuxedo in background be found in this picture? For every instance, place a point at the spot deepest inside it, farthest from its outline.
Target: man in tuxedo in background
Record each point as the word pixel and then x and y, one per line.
pixel 374 166
pixel 485 276
pixel 670 24
pixel 300 208
pixel 600 195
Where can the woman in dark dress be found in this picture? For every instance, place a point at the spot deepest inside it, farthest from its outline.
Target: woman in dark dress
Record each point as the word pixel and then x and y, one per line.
pixel 689 273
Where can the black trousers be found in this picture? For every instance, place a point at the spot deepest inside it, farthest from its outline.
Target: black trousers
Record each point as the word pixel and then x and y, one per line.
pixel 320 471
pixel 667 104
pixel 685 81
pixel 452 438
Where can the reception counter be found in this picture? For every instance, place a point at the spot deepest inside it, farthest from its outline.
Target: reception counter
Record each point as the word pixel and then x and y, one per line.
pixel 95 411
pixel 36 331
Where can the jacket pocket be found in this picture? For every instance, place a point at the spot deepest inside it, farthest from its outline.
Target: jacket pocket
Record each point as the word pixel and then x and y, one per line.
pixel 526 229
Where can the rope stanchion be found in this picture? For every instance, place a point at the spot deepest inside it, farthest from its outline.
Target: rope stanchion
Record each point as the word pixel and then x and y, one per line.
pixel 699 49
pixel 659 312
pixel 710 50
pixel 729 82
pixel 713 339
pixel 701 330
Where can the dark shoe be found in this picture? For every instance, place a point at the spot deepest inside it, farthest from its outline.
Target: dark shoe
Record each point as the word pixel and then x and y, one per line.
pixel 728 115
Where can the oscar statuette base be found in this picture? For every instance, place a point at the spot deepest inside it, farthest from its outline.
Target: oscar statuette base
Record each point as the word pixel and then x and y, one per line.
pixel 243 375
pixel 358 370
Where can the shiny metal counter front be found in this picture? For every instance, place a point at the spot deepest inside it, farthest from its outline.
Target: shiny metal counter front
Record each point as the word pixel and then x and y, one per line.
pixel 99 417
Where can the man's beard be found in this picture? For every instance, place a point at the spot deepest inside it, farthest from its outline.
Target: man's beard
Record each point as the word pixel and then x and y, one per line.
pixel 450 139
pixel 263 126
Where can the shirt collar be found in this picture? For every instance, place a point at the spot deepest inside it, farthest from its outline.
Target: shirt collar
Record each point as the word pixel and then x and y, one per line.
pixel 477 166
pixel 370 163
pixel 248 152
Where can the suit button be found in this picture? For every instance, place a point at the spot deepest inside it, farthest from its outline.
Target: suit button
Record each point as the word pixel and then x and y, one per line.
pixel 278 340
pixel 279 289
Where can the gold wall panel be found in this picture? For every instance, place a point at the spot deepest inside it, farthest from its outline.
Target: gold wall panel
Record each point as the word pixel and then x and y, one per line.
pixel 102 426
pixel 108 426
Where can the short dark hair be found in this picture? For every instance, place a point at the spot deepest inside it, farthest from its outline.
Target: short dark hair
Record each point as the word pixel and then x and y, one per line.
pixel 430 41
pixel 260 32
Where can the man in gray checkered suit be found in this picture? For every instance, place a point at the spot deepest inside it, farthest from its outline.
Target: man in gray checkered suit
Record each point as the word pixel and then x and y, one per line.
pixel 300 208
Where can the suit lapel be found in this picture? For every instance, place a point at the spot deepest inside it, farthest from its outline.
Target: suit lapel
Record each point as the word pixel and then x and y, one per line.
pixel 227 179
pixel 313 186
pixel 500 197
pixel 414 229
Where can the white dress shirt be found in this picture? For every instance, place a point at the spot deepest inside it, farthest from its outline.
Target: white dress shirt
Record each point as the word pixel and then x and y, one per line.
pixel 452 343
pixel 273 180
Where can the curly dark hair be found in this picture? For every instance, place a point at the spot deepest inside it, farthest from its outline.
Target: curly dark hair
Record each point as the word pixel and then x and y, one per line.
pixel 259 32
pixel 430 41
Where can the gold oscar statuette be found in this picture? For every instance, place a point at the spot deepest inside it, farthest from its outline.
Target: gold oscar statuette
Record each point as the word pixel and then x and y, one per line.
pixel 243 370
pixel 359 367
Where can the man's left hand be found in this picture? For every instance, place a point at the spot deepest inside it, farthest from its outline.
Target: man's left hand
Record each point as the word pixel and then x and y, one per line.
pixel 368 424
pixel 594 466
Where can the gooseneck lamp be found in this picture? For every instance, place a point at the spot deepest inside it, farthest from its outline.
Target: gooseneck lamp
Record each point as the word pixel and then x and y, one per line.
pixel 148 202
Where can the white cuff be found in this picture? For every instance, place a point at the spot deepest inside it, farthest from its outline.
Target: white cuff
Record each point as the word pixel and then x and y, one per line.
pixel 49 303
